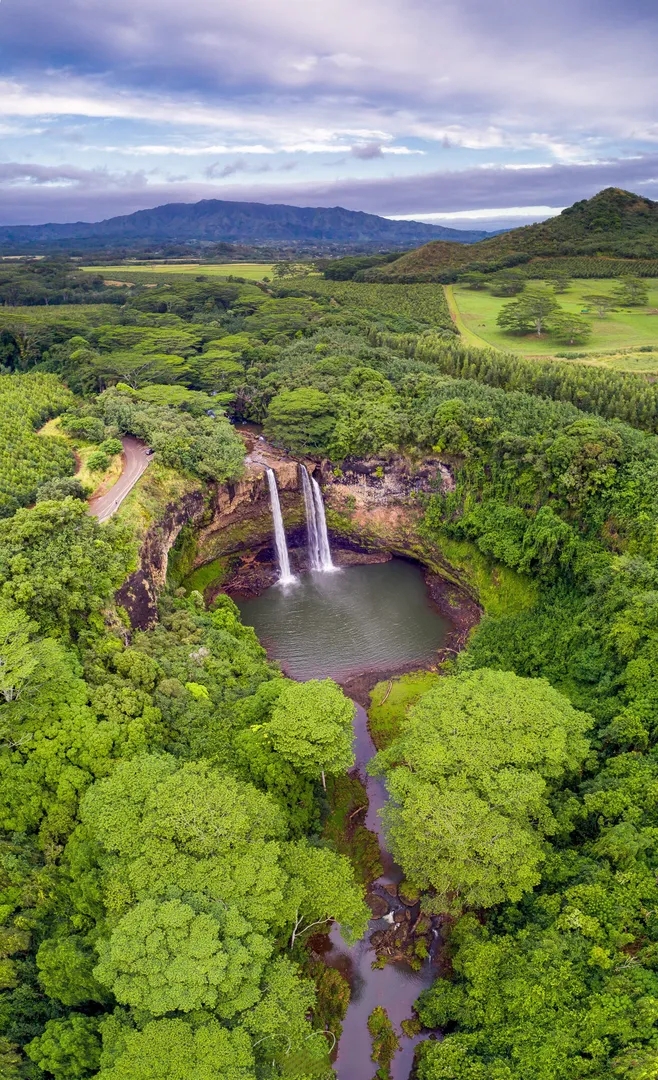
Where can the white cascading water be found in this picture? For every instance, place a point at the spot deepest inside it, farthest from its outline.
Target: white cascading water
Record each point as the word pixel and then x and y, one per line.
pixel 311 522
pixel 286 577
pixel 321 522
pixel 319 552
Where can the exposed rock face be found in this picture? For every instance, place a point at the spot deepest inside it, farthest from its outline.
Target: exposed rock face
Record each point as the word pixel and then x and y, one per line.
pixel 371 514
pixel 230 518
pixel 139 594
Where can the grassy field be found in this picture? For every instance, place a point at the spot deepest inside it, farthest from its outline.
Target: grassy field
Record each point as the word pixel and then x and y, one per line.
pixel 250 271
pixel 620 331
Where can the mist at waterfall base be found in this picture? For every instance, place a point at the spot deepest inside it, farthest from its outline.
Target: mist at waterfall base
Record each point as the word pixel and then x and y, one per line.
pixel 365 618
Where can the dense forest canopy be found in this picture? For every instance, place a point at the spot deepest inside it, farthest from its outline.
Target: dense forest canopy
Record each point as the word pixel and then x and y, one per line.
pixel 163 859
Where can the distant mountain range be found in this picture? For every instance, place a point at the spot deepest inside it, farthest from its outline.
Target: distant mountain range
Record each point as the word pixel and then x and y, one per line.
pixel 613 224
pixel 215 221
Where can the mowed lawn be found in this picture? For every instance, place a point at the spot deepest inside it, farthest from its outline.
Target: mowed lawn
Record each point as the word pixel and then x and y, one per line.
pixel 627 328
pixel 250 271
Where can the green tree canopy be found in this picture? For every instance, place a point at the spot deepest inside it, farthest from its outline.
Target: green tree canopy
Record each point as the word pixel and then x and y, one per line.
pixel 302 420
pixel 311 726
pixel 470 774
pixel 164 957
pixel 69 1049
pixel 568 329
pixel 529 312
pixel 174 1050
pixel 60 565
pixel 631 292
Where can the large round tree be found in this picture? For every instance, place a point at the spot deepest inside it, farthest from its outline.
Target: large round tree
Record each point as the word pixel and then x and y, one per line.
pixel 471 776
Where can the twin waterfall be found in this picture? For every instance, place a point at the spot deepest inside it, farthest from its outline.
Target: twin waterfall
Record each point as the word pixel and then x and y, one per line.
pixel 319 552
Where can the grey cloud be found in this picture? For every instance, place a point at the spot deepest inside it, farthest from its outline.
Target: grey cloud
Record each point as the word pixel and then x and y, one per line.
pixel 556 186
pixel 217 171
pixel 559 66
pixel 22 173
pixel 367 151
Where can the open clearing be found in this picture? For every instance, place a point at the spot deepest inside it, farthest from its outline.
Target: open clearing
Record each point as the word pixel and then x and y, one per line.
pixel 476 312
pixel 125 272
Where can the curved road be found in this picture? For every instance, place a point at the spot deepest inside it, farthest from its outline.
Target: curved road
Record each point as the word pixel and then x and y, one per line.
pixel 135 462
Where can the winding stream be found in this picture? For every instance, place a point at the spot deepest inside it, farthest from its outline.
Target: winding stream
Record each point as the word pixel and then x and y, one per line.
pixel 363 619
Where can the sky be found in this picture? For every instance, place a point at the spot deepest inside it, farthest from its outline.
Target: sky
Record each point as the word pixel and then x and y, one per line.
pixel 469 114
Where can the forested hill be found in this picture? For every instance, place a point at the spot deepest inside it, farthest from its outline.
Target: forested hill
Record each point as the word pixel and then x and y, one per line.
pixel 242 222
pixel 614 223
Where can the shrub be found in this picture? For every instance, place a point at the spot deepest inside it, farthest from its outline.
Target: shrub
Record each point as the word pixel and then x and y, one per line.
pixel 98 461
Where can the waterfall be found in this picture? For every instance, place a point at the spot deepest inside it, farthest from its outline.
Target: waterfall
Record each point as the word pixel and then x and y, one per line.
pixel 311 522
pixel 319 552
pixel 285 575
pixel 321 523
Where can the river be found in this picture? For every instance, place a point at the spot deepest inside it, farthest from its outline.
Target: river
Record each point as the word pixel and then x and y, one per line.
pixel 361 619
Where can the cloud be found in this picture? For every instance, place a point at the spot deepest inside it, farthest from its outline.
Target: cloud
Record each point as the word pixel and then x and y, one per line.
pixel 408 98
pixel 19 174
pixel 367 151
pixel 531 193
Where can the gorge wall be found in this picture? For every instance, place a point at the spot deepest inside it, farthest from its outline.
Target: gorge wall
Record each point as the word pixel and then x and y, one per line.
pixel 221 540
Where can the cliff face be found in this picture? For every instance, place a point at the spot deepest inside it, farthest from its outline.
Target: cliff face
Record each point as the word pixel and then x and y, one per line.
pixel 226 519
pixel 371 514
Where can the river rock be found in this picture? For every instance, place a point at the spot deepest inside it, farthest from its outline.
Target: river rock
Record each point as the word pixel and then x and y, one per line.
pixel 391 889
pixel 377 905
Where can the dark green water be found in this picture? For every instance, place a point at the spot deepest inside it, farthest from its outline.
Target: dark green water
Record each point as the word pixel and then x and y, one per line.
pixel 361 618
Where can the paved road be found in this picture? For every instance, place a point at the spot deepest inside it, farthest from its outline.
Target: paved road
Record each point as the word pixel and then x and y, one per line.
pixel 135 462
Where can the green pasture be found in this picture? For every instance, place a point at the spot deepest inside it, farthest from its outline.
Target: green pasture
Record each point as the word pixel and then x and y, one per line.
pixel 475 314
pixel 126 272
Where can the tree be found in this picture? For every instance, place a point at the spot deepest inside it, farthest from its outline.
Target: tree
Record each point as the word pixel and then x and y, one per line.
pixel 302 420
pixel 64 488
pixel 322 889
pixel 139 369
pixel 66 970
pixel 631 292
pixel 470 775
pixel 507 283
pixel 19 654
pixel 164 957
pixel 69 1049
pixel 280 1028
pixel 569 329
pixel 169 826
pixel 311 726
pixel 530 312
pixel 98 461
pixel 560 280
pixel 60 565
pixel 601 302
pixel 475 280
pixel 175 1050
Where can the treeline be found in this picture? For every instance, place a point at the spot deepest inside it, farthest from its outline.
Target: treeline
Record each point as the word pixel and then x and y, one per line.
pixel 612 394
pixel 27 459
pixel 560 980
pixel 573 266
pixel 27 282
pixel 158 794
